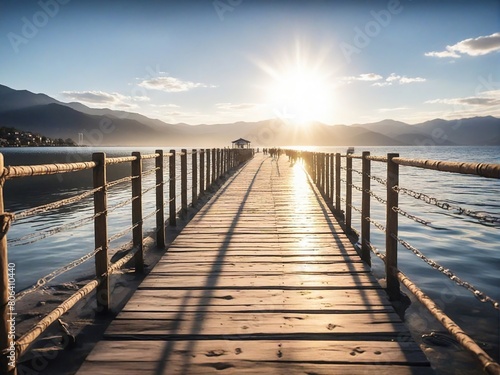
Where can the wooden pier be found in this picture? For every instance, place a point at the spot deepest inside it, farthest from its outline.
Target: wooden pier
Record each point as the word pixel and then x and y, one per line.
pixel 261 281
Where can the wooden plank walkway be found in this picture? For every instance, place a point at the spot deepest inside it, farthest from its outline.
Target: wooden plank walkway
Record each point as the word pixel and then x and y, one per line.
pixel 261 281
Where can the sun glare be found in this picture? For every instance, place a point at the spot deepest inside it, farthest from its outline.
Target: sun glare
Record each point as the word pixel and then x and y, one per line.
pixel 300 95
pixel 300 89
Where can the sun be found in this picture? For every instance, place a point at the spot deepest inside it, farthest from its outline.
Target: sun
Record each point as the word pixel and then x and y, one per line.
pixel 301 95
pixel 300 89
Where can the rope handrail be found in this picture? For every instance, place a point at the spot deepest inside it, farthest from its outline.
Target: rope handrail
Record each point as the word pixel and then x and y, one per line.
pixel 44 169
pixel 53 205
pixel 121 159
pixel 488 170
pixel 57 272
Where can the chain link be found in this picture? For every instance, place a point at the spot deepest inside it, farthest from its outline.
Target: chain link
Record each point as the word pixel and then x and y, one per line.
pixel 447 206
pixel 377 224
pixel 445 271
pixel 378 179
pixel 380 199
pixel 410 216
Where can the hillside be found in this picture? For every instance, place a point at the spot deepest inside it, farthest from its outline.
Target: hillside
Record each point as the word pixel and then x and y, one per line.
pixel 42 114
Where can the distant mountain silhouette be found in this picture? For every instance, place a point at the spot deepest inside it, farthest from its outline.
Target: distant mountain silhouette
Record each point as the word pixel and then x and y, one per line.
pixel 468 131
pixel 42 114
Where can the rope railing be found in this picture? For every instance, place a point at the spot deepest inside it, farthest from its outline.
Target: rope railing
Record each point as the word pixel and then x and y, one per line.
pixel 43 281
pixel 331 177
pixel 165 175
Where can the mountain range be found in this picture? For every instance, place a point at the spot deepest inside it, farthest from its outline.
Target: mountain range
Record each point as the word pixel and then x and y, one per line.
pixel 39 113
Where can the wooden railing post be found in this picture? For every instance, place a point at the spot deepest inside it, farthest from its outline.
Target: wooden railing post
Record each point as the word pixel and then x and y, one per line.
pixel 172 209
pixel 337 182
pixel 322 173
pixel 184 200
pixel 332 179
pixel 348 194
pixel 391 244
pixel 218 164
pixel 137 211
pixel 209 168
pixel 101 231
pixel 194 177
pixel 7 351
pixel 327 177
pixel 214 164
pixel 160 201
pixel 202 171
pixel 365 208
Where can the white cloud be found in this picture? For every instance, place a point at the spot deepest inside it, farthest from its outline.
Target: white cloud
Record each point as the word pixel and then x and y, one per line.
pixel 170 84
pixel 113 99
pixel 165 105
pixel 362 77
pixel 240 106
pixel 383 110
pixel 473 47
pixel 402 80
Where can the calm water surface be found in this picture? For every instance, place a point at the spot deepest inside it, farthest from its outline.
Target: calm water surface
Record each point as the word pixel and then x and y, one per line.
pixel 460 243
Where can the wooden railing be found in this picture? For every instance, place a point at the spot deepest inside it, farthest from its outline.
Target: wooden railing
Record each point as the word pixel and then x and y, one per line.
pixel 207 166
pixel 325 171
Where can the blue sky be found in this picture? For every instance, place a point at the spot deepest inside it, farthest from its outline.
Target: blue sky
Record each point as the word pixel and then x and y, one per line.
pixel 338 62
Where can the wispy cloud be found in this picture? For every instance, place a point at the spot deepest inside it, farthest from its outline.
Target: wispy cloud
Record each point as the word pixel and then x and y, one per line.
pixel 484 99
pixel 170 84
pixel 397 79
pixel 473 47
pixel 383 110
pixel 232 107
pixel 362 77
pixel 113 99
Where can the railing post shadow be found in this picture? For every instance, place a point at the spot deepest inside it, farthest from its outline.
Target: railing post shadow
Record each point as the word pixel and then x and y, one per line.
pixel 137 211
pixel 391 243
pixel 184 201
pixel 365 209
pixel 160 201
pixel 101 231
pixel 172 211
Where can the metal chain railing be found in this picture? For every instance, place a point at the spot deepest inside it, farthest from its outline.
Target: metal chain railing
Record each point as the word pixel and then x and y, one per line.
pixel 448 206
pixel 378 179
pixel 410 216
pixel 380 199
pixel 445 271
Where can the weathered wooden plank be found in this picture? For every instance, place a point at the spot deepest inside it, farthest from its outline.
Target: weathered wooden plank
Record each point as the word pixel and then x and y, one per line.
pixel 255 299
pixel 261 324
pixel 286 351
pixel 308 282
pixel 244 368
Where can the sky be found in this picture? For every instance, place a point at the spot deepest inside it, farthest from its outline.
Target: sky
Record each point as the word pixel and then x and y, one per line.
pixel 223 61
